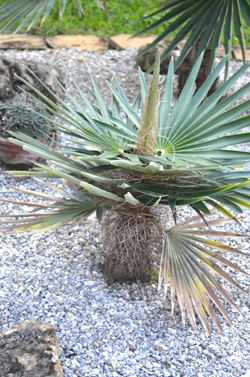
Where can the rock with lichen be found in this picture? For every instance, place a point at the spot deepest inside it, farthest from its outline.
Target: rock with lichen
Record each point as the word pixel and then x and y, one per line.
pixel 30 350
pixel 11 85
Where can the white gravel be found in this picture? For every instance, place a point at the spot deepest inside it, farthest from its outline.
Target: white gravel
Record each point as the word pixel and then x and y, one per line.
pixel 55 277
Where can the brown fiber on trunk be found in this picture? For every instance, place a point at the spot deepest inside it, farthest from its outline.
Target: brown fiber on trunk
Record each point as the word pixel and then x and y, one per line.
pixel 131 241
pixel 186 67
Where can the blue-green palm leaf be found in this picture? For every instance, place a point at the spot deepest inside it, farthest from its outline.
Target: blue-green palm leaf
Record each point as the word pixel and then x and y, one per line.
pixel 198 19
pixel 189 145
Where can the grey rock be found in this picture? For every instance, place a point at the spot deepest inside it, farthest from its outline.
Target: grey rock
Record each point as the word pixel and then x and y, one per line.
pixel 10 84
pixel 30 350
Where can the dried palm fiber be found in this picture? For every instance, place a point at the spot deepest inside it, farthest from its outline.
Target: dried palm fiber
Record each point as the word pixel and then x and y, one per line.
pixel 187 64
pixel 132 241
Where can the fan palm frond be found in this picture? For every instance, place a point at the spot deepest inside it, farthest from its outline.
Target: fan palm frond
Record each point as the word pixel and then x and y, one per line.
pixel 188 157
pixel 65 209
pixel 188 266
pixel 200 20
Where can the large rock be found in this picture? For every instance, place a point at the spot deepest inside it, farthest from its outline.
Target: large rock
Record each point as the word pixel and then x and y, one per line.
pixel 22 42
pixel 9 83
pixel 237 54
pixel 81 42
pixel 123 41
pixel 30 350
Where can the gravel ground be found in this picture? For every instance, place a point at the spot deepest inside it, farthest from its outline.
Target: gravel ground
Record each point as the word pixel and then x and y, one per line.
pixel 119 330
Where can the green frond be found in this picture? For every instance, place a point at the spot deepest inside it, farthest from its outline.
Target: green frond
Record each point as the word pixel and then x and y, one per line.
pixel 179 154
pixel 202 21
pixel 68 209
pixel 149 123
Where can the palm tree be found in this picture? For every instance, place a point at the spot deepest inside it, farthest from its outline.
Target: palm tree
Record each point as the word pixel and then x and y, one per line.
pixel 202 23
pixel 127 167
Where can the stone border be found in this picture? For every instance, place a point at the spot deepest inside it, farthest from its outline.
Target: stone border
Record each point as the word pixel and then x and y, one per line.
pixel 91 42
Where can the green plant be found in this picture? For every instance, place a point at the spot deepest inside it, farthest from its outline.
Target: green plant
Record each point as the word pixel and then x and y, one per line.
pixel 30 11
pixel 122 19
pixel 155 276
pixel 24 115
pixel 152 158
pixel 203 22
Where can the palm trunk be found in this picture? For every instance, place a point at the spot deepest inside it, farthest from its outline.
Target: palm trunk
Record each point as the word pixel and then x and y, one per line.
pixel 187 65
pixel 131 242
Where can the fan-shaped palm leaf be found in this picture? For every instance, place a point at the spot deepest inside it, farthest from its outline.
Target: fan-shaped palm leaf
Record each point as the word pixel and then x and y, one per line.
pixel 67 209
pixel 188 267
pixel 198 19
pixel 188 149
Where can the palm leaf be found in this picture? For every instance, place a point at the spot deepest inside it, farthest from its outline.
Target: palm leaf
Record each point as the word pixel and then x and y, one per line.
pixel 189 268
pixel 64 210
pixel 239 28
pixel 228 34
pixel 206 20
pixel 149 123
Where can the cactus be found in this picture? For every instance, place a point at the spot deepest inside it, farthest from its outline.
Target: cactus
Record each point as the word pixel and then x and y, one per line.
pixel 24 116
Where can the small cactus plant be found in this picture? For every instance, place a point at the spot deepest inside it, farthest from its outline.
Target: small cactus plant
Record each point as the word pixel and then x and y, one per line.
pixel 21 115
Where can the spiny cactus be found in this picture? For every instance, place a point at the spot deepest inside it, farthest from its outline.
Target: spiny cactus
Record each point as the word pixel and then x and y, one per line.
pixel 21 115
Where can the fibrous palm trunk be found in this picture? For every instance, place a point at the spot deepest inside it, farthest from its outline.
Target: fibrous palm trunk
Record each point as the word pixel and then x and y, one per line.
pixel 131 241
pixel 188 63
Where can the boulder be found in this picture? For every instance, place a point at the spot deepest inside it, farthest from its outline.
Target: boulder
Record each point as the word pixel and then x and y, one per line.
pixel 81 42
pixel 123 41
pixel 145 61
pixel 237 54
pixel 22 42
pixel 9 83
pixel 30 350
